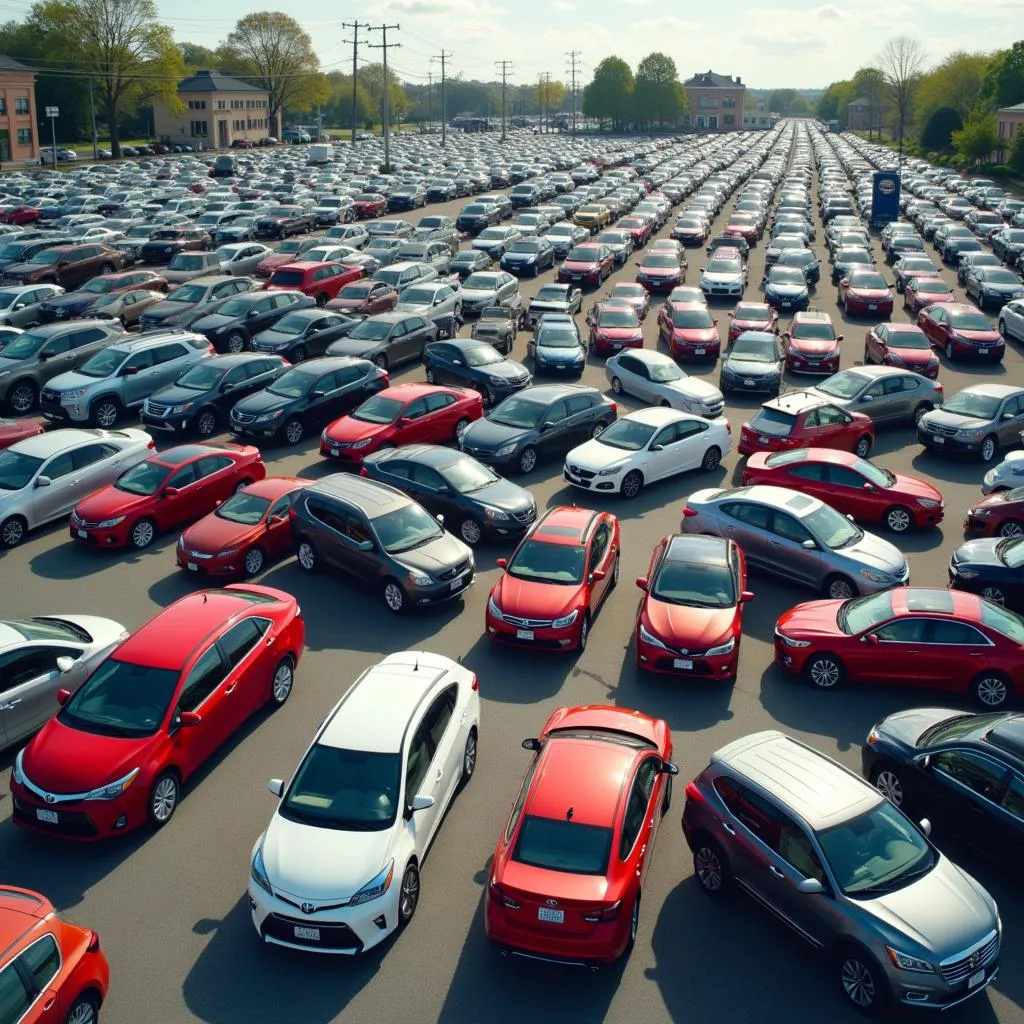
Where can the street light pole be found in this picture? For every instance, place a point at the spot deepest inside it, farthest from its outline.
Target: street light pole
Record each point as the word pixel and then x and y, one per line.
pixel 92 111
pixel 53 113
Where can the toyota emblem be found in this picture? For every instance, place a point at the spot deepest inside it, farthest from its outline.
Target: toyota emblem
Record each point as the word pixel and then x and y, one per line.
pixel 307 908
pixel 975 960
pixel 50 798
pixel 551 903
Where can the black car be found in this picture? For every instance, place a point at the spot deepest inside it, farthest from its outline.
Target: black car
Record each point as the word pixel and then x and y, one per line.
pixel 849 259
pixel 529 256
pixel 303 333
pixel 476 216
pixel 477 365
pixel 236 322
pixel 754 363
pixel 442 192
pixel 992 286
pixel 1008 244
pixel 964 772
pixel 469 261
pixel 409 197
pixel 476 503
pixel 199 401
pixel 306 397
pixel 785 289
pixel 539 421
pixel 805 259
pixel 285 220
pixel 165 243
pixel 992 567
pixel 388 339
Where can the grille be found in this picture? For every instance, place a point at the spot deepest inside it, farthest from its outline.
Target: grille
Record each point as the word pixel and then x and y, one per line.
pixel 942 431
pixel 514 382
pixel 714 411
pixel 69 823
pixel 960 970
pixel 332 936
pixel 450 574
pixel 338 444
pixel 904 574
pixel 515 620
pixel 156 410
pixel 49 397
pixel 583 474
pixel 525 517
pixel 242 417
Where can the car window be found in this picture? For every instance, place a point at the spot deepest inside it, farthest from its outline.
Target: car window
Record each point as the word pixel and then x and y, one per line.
pixel 90 453
pixel 599 545
pixel 415 409
pixel 790 528
pixel 87 336
pixel 906 630
pixel 418 763
pixel 240 639
pixel 19 667
pixel 949 631
pixel 440 714
pixel 14 997
pixel 326 514
pixel 758 516
pixel 843 476
pixel 557 412
pixel 814 471
pixel 632 365
pixel 517 807
pixel 439 400
pixel 633 822
pixel 281 506
pixel 356 529
pixel 184 476
pixel 41 961
pixel 210 464
pixel 59 466
pixel 979 773
pixel 57 346
pixel 751 810
pixel 796 849
pixel 647 775
pixel 829 415
pixel 237 374
pixel 426 476
pixel 897 385
pixel 140 360
pixel 205 676
pixel 578 403
pixel 1013 802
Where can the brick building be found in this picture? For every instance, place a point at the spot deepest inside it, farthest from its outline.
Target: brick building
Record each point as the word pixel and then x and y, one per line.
pixel 19 120
pixel 1009 121
pixel 716 102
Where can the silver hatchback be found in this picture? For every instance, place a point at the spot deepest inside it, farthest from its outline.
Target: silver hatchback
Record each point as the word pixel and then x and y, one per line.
pixel 853 876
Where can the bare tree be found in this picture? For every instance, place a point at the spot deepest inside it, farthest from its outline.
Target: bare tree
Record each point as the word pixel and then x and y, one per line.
pixel 901 64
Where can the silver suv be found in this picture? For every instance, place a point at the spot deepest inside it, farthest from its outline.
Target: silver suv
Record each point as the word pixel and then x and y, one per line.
pixel 852 875
pixel 121 377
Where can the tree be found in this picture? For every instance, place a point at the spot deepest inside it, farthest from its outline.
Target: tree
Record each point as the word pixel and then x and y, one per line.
pixel 938 130
pixel 198 57
pixel 798 106
pixel 957 82
pixel 550 94
pixel 121 47
pixel 609 95
pixel 372 79
pixel 868 84
pixel 271 48
pixel 1015 158
pixel 657 94
pixel 832 102
pixel 900 64
pixel 977 139
pixel 780 99
pixel 1004 80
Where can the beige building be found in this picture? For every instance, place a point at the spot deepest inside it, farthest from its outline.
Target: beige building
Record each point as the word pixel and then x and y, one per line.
pixel 19 120
pixel 1009 121
pixel 216 111
pixel 716 102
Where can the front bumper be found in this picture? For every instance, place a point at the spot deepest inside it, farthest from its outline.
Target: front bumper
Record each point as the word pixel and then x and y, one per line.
pixel 601 347
pixel 993 352
pixel 825 366
pixel 81 820
pixel 749 385
pixel 860 307
pixel 529 634
pixel 708 350
pixel 591 481
pixel 944 443
pixel 210 565
pixel 686 666
pixel 440 592
pixel 107 537
pixel 167 424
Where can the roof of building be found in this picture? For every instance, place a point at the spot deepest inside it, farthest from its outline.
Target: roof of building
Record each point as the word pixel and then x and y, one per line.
pixel 10 64
pixel 1017 108
pixel 860 101
pixel 710 80
pixel 213 81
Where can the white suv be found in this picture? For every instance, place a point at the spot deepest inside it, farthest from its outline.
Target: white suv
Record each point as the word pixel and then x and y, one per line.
pixel 337 870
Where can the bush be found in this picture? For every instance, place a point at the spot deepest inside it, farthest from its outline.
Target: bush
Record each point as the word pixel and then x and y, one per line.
pixel 1016 155
pixel 937 132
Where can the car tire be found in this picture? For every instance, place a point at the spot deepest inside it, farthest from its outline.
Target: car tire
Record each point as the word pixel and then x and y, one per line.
pixel 862 981
pixel 409 894
pixel 710 867
pixel 988 449
pixel 381 362
pixel 824 672
pixel 307 556
pixel 581 646
pixel 470 531
pixel 949 351
pixel 298 354
pixel 885 778
pixel 863 447
pixel 282 682
pixel 23 397
pixel 293 431
pixel 205 422
pixel 666 800
pixel 12 531
pixel 394 596
pixel 1011 528
pixel 460 431
pixel 142 533
pixel 898 519
pixel 431 376
pixel 236 342
pixel 469 756
pixel 597 430
pixel 254 560
pixel 528 459
pixel 712 459
pixel 616 385
pixel 632 484
pixel 634 926
pixel 613 583
pixel 991 690
pixel 84 1010
pixel 105 412
pixel 106 268
pixel 163 798
pixel 920 411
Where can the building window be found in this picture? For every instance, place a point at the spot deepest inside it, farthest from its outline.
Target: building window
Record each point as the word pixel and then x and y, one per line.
pixel 729 102
pixel 730 120
pixel 198 128
pixel 705 101
pixel 701 122
pixel 24 136
pixel 3 107
pixel 21 105
pixel 220 104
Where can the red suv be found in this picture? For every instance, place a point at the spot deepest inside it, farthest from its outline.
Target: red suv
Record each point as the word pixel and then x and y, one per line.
pixel 320 281
pixel 689 330
pixel 801 419
pixel 119 750
pixel 960 330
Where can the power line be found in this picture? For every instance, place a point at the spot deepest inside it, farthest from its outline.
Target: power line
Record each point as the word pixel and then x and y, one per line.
pixel 445 56
pixel 383 47
pixel 504 65
pixel 573 56
pixel 355 26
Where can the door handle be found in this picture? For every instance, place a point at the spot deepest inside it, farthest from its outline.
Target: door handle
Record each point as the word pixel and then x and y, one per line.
pixel 231 688
pixel 49 1004
pixel 10 704
pixel 440 774
pixel 728 828
pixel 269 641
pixel 775 543
pixel 775 871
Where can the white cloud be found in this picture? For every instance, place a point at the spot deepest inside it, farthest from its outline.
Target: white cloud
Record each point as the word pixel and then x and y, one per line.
pixel 562 5
pixel 781 43
pixel 829 13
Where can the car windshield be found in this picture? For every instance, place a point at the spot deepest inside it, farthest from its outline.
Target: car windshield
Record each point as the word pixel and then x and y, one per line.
pixel 563 845
pixel 187 261
pixel 99 286
pixel 772 422
pixel 657 259
pixel 750 349
pixel 406 528
pixel 842 385
pixel 25 346
pixel 995 276
pixel 629 435
pixel 864 613
pixel 815 331
pixel 482 355
pixel 526 245
pixel 723 266
pixel 868 279
pixel 965 320
pixel 913 338
pixel 977 406
pixel 557 337
pixel 481 282
pixel 786 275
pixel 548 563
pixel 552 293
pixel 931 286
pixel 695 584
pixel 188 293
pixel 519 412
pixel 46 256
pixel 418 296
pixel 466 475
pixel 665 373
pixel 350 790
pixel 1010 624
pixel 752 312
pixel 231 308
pixel 371 330
pixel 103 363
pixel 379 409
pixel 1010 552
pixel 17 469
pixel 200 377
pixel 583 254
pixel 692 318
pixel 831 528
pixel 121 699
pixel 286 277
pixel 874 474
pixel 617 318
pixel 293 384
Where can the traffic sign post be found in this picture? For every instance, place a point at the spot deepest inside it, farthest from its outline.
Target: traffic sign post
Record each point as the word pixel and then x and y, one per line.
pixel 53 113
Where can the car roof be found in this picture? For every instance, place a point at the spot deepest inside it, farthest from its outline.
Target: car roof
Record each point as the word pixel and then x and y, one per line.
pixel 803 780
pixel 657 416
pixel 391 317
pixel 274 486
pixel 45 330
pixel 796 402
pixel 693 547
pixel 565 524
pixel 20 911
pixel 43 446
pixel 1008 734
pixel 373 498
pixel 795 502
pixel 818 315
pixel 994 390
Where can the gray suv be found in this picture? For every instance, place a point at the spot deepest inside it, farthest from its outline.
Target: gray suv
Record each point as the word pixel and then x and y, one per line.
pixel 121 377
pixel 977 421
pixel 45 352
pixel 852 875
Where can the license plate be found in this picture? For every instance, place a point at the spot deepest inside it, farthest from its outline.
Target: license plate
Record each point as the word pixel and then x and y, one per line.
pixel 700 351
pixel 547 914
pixel 617 345
pixel 983 351
pixel 312 934
pixel 683 663
pixel 44 815
pixel 524 634
pixel 939 440
pixel 749 383
pixel 872 306
pixel 84 534
pixel 193 567
pixel 976 979
pixel 456 584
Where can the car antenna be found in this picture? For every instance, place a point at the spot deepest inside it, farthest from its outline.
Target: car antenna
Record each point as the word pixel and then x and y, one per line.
pixel 204 597
pixel 416 665
pixel 569 813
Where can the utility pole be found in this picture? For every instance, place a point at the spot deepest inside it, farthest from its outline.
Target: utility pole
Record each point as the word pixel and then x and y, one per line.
pixel 545 86
pixel 573 56
pixel 430 96
pixel 504 65
pixel 383 47
pixel 355 26
pixel 444 98
pixel 92 111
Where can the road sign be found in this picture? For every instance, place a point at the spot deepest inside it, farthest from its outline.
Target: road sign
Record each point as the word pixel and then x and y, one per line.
pixel 53 111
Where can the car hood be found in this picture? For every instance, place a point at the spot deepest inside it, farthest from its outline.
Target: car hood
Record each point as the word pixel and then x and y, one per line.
pixel 708 278
pixel 817 618
pixel 980 552
pixel 444 552
pixel 263 402
pixel 1002 287
pixel 23 268
pixel 708 334
pixel 594 455
pixel 944 418
pixel 916 488
pixel 486 434
pixel 752 325
pixel 212 322
pixel 670 272
pixel 353 347
pixel 322 865
pixel 696 629
pixel 505 495
pixel 912 357
pixel 507 370
pixel 547 306
pixel 619 333
pixel 168 308
pixel 786 289
pixel 579 266
pixel 870 294
pixel 907 727
pixel 478 295
pixel 532 600
pixel 348 429
pixel 108 503
pixel 981 337
pixel 520 257
pixel 273 337
pixel 815 346
pixel 72 379
pixel 175 395
pixel 876 553
pixel 70 300
pixel 751 368
pixel 422 308
pixel 213 534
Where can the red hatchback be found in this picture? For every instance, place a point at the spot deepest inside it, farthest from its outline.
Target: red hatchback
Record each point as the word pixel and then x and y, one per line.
pixel 689 330
pixel 589 263
pixel 405 414
pixel 320 281
pixel 119 750
pixel 639 229
pixel 50 969
pixel 911 636
pixel 691 618
pixel 567 876
pixel 13 431
pixel 960 330
pixel 812 345
pixel 1001 514
pixel 242 535
pixel 801 419
pixel 613 327
pixel 903 345
pixel 752 316
pixel 555 581
pixel 851 485
pixel 170 488
pixel 865 293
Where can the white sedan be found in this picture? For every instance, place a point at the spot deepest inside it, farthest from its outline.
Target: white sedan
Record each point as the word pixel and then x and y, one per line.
pixel 656 378
pixel 1011 320
pixel 338 868
pixel 1008 475
pixel 646 446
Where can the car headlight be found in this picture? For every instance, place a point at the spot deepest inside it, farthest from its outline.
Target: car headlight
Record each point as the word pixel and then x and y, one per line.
pixel 268 416
pixel 176 409
pixel 565 620
pixel 107 523
pixel 363 443
pixel 727 648
pixel 494 609
pixel 612 470
pixel 905 962
pixel 76 394
pixel 496 514
pixel 928 503
pixel 966 574
pixel 793 350
pixel 981 511
pixel 115 789
pixel 971 434
pixel 874 577
pixel 790 642
pixel 505 449
pixel 258 873
pixel 650 638
pixel 376 887
pixel 419 579
pixel 18 772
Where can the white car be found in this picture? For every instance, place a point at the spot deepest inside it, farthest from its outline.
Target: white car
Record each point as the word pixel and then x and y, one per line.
pixel 354 235
pixel 656 378
pixel 1006 476
pixel 338 868
pixel 723 276
pixel 646 446
pixel 1011 320
pixel 241 259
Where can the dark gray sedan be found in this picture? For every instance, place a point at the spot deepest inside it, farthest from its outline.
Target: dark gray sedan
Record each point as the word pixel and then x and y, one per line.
pixel 388 339
pixel 753 364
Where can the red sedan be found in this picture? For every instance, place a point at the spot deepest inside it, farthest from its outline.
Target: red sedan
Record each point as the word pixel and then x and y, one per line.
pixel 999 515
pixel 369 204
pixel 923 291
pixel 689 330
pixel 851 485
pixel 567 876
pixel 12 431
pixel 170 488
pixel 865 292
pixel 555 581
pixel 752 316
pixel 660 271
pixel 406 414
pixel 912 636
pixel 903 345
pixel 639 229
pixel 743 226
pixel 239 537
pixel 589 263
pixel 367 297
pixel 800 419
pixel 691 618
pixel 960 330
pixel 20 214
pixel 812 345
pixel 613 327
pixel 118 752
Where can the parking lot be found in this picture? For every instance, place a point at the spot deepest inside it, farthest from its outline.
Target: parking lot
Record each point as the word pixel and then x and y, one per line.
pixel 170 907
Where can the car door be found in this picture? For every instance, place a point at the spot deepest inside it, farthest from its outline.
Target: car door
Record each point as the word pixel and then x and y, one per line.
pixel 442 415
pixel 417 782
pixel 204 691
pixel 599 560
pixel 748 524
pixel 1011 420
pixel 686 449
pixel 251 661
pixel 835 428
pixel 633 376
pixel 952 653
pixel 933 323
pixel 323 401
pixel 967 788
pixel 52 500
pixel 445 362
pixel 786 551
pixel 59 355
pixel 580 418
pixel 746 834
pixel 639 822
pixel 809 478
pixel 1011 819
pixel 277 528
pixel 661 459
pixel 447 741
pixel 893 656
pixel 95 465
pixel 554 432
pixel 177 499
pixel 845 489
pixel 168 363
pixel 136 377
pixel 29 680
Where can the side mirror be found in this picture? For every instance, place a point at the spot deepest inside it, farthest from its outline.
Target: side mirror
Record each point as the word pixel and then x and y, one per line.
pixel 923 760
pixel 227 386
pixel 501 563
pixel 129 371
pixel 531 744
pixel 365 545
pixel 440 518
pixel 189 719
pixel 170 492
pixel 867 398
pixel 642 582
pixel 869 487
pixel 809 545
pixel 62 696
pixel 317 394
pixel 276 786
pixel 845 283
pixel 65 664
pixel 926 826
pixel 421 801
pixel 811 887
pixel 597 575
pixel 871 639
pixel 252 313
pixel 657 448
pixel 546 426
pixel 839 337
pixel 668 768
pixel 747 595
pixel 43 481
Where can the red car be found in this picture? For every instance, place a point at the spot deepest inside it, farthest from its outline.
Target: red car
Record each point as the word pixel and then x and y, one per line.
pixel 20 214
pixel 50 968
pixel 660 271
pixel 1001 514
pixel 633 294
pixel 239 537
pixel 567 876
pixel 903 345
pixel 589 263
pixel 812 345
pixel 689 330
pixel 799 419
pixel 923 291
pixel 851 485
pixel 639 229
pixel 911 636
pixel 369 204
pixel 405 414
pixel 613 327
pixel 960 330
pixel 743 226
pixel 117 753
pixel 865 292
pixel 691 618
pixel 364 296
pixel 752 316
pixel 320 281
pixel 555 581
pixel 12 431
pixel 170 488
pixel 288 251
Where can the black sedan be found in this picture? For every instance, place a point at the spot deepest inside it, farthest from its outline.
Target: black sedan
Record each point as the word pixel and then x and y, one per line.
pixel 805 259
pixel 529 256
pixel 785 289
pixel 410 197
pixel 964 772
pixel 477 365
pixel 285 220
pixel 476 503
pixel 993 286
pixel 469 261
pixel 304 333
pixel 753 364
pixel 199 401
pixel 474 217
pixel 233 325
pixel 992 567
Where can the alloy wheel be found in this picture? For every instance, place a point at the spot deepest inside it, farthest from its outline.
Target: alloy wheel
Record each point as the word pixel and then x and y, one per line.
pixel 991 691
pixel 22 398
pixel 164 799
pixel 410 894
pixel 253 561
pixel 105 415
pixel 293 431
pixel 712 457
pixel 460 431
pixel 858 982
pixel 888 784
pixel 307 556
pixel 284 678
pixel 1011 528
pixel 12 532
pixel 83 1012
pixel 841 589
pixel 394 596
pixel 898 519
pixel 206 423
pixel 993 594
pixel 470 531
pixel 528 459
pixel 469 757
pixel 708 868
pixel 825 673
pixel 863 447
pixel 143 533
pixel 236 341
pixel 988 449
pixel 631 484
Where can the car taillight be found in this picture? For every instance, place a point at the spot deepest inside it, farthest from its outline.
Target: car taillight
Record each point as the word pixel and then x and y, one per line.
pixel 152 444
pixel 693 793
pixel 614 407
pixel 938 387
pixel 728 427
pixel 211 350
pixel 500 896
pixel 688 512
pixel 475 685
pixel 609 913
pixel 363 471
pixel 94 942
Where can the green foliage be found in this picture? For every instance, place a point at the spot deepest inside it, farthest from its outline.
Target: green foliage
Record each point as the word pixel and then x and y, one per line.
pixel 833 101
pixel 657 94
pixel 1004 80
pixel 199 58
pixel 372 79
pixel 1015 157
pixel 977 139
pixel 780 99
pixel 939 128
pixel 610 92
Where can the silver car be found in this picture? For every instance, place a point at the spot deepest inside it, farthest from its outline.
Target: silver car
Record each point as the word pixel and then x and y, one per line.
pixel 19 304
pixel 240 259
pixel 886 394
pixel 852 875
pixel 799 538
pixel 656 378
pixel 44 654
pixel 42 478
pixel 979 421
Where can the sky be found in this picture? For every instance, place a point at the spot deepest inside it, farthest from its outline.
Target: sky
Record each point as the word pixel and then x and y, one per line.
pixel 784 43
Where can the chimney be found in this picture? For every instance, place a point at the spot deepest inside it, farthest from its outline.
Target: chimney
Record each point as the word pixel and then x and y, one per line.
pixel 738 80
